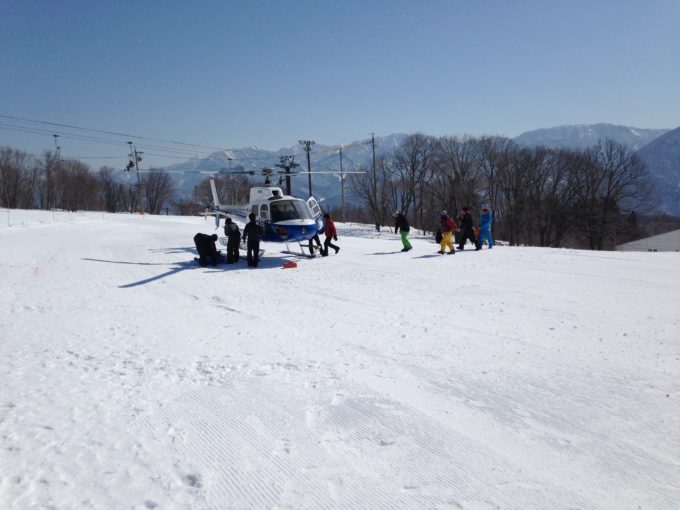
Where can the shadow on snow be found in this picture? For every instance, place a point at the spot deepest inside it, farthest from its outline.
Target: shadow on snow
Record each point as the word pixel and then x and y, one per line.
pixel 176 267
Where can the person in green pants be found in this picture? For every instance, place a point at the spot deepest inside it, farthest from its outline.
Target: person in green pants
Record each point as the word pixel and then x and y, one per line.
pixel 402 224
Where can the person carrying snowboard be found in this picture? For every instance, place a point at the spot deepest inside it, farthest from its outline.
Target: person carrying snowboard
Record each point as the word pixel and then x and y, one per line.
pixel 485 228
pixel 233 234
pixel 330 233
pixel 251 237
pixel 402 224
pixel 446 226
pixel 207 252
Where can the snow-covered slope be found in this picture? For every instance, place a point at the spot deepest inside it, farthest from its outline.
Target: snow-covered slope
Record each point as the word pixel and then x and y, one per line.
pixel 514 378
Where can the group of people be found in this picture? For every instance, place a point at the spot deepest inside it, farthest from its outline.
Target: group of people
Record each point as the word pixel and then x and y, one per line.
pixel 465 228
pixel 447 227
pixel 207 251
pixel 251 238
pixel 208 254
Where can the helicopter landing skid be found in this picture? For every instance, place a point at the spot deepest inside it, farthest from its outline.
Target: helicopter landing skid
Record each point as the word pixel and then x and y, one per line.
pixel 300 253
pixel 241 246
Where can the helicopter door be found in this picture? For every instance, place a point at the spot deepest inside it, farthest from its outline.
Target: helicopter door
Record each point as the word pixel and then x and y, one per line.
pixel 314 207
pixel 264 212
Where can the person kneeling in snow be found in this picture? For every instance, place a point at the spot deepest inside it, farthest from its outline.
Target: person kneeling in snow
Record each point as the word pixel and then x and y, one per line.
pixel 205 246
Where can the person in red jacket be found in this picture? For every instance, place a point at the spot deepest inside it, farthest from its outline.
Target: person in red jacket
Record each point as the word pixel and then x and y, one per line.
pixel 447 226
pixel 331 234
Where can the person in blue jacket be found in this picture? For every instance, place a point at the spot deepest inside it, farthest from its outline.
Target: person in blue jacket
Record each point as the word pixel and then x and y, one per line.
pixel 485 228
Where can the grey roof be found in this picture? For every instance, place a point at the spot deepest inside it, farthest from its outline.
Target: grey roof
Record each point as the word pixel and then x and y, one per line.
pixel 670 241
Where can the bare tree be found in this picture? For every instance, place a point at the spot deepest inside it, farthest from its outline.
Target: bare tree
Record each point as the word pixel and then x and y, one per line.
pixel 47 167
pixel 15 181
pixel 75 187
pixel 130 196
pixel 412 168
pixel 553 210
pixel 455 181
pixel 231 189
pixel 110 191
pixel 158 189
pixel 373 188
pixel 496 159
pixel 609 181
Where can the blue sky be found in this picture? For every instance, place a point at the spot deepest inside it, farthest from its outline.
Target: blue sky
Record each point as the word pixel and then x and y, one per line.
pixel 268 73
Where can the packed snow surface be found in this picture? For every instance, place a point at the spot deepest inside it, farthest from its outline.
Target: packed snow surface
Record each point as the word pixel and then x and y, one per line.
pixel 512 378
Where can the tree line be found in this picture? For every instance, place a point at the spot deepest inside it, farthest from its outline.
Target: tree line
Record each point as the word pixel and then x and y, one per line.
pixel 590 198
pixel 538 196
pixel 48 182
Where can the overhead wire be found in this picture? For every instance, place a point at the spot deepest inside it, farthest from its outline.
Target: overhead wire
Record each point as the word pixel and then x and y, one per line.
pixel 166 151
pixel 125 135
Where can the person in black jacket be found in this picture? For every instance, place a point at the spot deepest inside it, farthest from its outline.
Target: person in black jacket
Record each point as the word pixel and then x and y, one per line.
pixel 467 230
pixel 402 224
pixel 205 246
pixel 251 236
pixel 233 234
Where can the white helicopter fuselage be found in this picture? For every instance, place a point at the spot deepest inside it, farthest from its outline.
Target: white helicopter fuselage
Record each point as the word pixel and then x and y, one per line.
pixel 283 218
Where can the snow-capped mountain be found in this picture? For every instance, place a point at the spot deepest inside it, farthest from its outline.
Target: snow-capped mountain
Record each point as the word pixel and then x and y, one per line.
pixel 356 155
pixel 662 157
pixel 587 135
pixel 659 148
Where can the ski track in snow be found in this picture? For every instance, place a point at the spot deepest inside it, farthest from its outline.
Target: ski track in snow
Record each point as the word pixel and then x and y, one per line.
pixel 520 378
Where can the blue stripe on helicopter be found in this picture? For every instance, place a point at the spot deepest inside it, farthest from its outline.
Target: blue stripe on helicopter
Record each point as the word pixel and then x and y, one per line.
pixel 297 231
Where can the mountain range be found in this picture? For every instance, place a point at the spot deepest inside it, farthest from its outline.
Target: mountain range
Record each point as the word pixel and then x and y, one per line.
pixel 325 186
pixel 658 148
pixel 587 135
pixel 662 157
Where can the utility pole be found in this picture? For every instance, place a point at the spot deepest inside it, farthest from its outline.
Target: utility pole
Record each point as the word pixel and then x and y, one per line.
pixel 375 183
pixel 308 147
pixel 136 157
pixel 51 170
pixel 58 147
pixel 373 145
pixel 342 187
pixel 288 162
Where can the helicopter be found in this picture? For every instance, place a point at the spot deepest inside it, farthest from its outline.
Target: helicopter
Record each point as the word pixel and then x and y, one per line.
pixel 283 218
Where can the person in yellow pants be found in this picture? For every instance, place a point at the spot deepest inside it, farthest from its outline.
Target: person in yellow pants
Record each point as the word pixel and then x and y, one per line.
pixel 447 227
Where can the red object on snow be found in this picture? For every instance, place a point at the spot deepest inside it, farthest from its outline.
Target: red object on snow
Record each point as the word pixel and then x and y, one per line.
pixel 289 265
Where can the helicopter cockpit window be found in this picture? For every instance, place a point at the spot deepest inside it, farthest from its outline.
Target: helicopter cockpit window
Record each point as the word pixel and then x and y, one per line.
pixel 284 210
pixel 302 210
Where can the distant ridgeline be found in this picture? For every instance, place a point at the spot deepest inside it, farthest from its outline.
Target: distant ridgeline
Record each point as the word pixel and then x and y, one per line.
pixel 658 148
